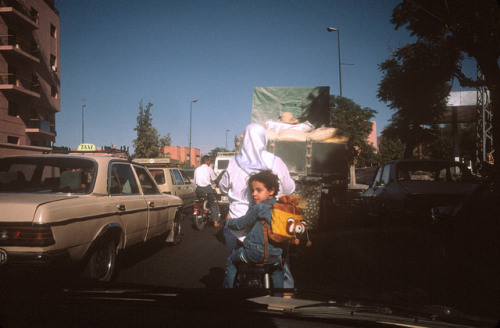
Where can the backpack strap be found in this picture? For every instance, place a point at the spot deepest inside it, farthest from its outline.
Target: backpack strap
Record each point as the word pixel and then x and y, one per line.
pixel 265 231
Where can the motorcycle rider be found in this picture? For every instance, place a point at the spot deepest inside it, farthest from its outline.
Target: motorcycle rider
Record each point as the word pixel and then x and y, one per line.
pixel 204 176
pixel 256 249
pixel 253 158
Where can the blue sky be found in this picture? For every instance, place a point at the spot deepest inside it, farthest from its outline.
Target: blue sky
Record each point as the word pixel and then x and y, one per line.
pixel 168 52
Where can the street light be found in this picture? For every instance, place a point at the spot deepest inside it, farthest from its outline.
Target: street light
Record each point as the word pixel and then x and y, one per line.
pixel 226 137
pixel 83 138
pixel 334 29
pixel 190 123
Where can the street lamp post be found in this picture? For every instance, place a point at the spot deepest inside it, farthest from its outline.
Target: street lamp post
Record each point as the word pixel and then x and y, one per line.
pixel 190 123
pixel 334 29
pixel 226 137
pixel 83 137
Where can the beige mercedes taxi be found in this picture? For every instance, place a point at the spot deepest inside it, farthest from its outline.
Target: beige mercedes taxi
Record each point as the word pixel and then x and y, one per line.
pixel 80 208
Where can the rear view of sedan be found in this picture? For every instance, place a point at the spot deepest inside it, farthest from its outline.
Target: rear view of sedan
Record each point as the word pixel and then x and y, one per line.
pixel 406 190
pixel 80 209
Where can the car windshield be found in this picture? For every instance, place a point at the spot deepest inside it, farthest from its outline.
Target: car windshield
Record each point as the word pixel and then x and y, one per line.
pixel 376 117
pixel 46 174
pixel 222 164
pixel 432 171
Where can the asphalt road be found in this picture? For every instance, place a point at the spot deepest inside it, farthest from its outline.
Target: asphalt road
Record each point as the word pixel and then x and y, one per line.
pixel 197 262
pixel 351 259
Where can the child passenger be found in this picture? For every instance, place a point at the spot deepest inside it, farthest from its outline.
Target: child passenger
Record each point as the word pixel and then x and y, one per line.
pixel 264 186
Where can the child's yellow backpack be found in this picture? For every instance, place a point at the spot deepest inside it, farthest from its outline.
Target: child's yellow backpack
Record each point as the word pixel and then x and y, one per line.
pixel 288 222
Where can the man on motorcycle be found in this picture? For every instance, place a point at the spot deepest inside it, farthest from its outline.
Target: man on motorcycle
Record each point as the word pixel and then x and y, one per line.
pixel 204 176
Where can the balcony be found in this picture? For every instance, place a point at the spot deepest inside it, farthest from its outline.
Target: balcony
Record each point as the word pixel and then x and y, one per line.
pixel 16 13
pixel 39 126
pixel 11 46
pixel 20 86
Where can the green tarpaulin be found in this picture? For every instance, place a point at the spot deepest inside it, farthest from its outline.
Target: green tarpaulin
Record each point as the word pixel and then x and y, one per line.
pixel 305 103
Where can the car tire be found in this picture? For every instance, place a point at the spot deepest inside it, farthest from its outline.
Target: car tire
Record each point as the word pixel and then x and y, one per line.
pixel 102 261
pixel 176 231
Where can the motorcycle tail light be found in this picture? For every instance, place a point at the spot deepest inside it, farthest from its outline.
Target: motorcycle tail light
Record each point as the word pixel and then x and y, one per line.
pixel 28 235
pixel 196 208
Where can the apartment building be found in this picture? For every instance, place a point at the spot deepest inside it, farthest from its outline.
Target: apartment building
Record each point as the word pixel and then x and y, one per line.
pixel 182 154
pixel 29 75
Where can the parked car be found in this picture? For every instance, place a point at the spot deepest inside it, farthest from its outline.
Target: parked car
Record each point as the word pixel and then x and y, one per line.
pixel 174 181
pixel 80 209
pixel 466 236
pixel 408 189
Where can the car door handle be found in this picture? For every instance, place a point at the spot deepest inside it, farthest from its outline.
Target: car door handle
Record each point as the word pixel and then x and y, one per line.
pixel 151 204
pixel 120 207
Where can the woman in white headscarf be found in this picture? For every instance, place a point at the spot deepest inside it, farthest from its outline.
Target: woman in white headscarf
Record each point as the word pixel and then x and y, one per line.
pixel 253 157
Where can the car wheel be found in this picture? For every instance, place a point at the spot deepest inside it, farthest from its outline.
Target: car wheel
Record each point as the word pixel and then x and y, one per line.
pixel 176 231
pixel 102 261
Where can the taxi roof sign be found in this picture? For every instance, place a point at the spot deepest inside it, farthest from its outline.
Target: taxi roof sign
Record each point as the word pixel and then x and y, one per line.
pixel 86 147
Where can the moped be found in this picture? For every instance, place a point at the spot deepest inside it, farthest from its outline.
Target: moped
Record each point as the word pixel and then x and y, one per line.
pixel 255 276
pixel 201 212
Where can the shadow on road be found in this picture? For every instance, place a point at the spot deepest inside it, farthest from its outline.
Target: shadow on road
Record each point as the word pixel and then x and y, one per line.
pixel 214 279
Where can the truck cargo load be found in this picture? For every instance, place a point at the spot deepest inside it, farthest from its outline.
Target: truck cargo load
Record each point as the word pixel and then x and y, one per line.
pixel 313 153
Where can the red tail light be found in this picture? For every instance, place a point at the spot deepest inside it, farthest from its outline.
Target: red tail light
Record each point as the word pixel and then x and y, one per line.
pixel 196 208
pixel 28 235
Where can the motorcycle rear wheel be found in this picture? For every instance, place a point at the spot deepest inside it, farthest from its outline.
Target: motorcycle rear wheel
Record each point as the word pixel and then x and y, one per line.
pixel 199 222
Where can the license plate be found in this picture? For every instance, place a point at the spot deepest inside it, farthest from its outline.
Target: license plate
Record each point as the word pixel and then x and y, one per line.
pixel 3 256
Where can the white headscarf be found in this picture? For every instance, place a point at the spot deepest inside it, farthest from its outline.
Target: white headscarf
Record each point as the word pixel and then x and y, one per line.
pixel 254 145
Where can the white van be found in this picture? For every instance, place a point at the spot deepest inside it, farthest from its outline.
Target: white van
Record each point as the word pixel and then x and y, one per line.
pixel 222 160
pixel 221 163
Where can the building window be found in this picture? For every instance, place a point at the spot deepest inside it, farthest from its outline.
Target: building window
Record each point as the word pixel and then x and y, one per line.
pixel 53 31
pixel 12 140
pixel 53 63
pixel 34 15
pixel 13 109
pixel 53 91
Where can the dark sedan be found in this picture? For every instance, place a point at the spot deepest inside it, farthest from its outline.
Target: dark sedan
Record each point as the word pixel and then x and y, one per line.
pixel 408 189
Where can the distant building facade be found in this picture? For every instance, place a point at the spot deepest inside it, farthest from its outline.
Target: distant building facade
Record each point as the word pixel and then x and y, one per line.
pixel 29 75
pixel 180 154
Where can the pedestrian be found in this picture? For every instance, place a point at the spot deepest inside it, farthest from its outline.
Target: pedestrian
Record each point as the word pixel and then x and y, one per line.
pixel 204 176
pixel 256 249
pixel 253 158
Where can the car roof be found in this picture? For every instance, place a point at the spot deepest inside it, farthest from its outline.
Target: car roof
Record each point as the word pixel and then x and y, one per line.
pixel 415 160
pixel 98 158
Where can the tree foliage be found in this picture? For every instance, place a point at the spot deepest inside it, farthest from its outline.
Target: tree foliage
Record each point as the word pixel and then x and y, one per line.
pixel 390 149
pixel 416 83
pixel 147 144
pixel 166 140
pixel 469 27
pixel 352 121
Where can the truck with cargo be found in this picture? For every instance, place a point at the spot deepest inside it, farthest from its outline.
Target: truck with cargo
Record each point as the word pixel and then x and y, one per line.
pixel 318 165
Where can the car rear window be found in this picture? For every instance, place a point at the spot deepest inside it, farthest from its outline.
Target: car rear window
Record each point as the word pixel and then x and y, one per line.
pixel 432 171
pixel 158 175
pixel 47 174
